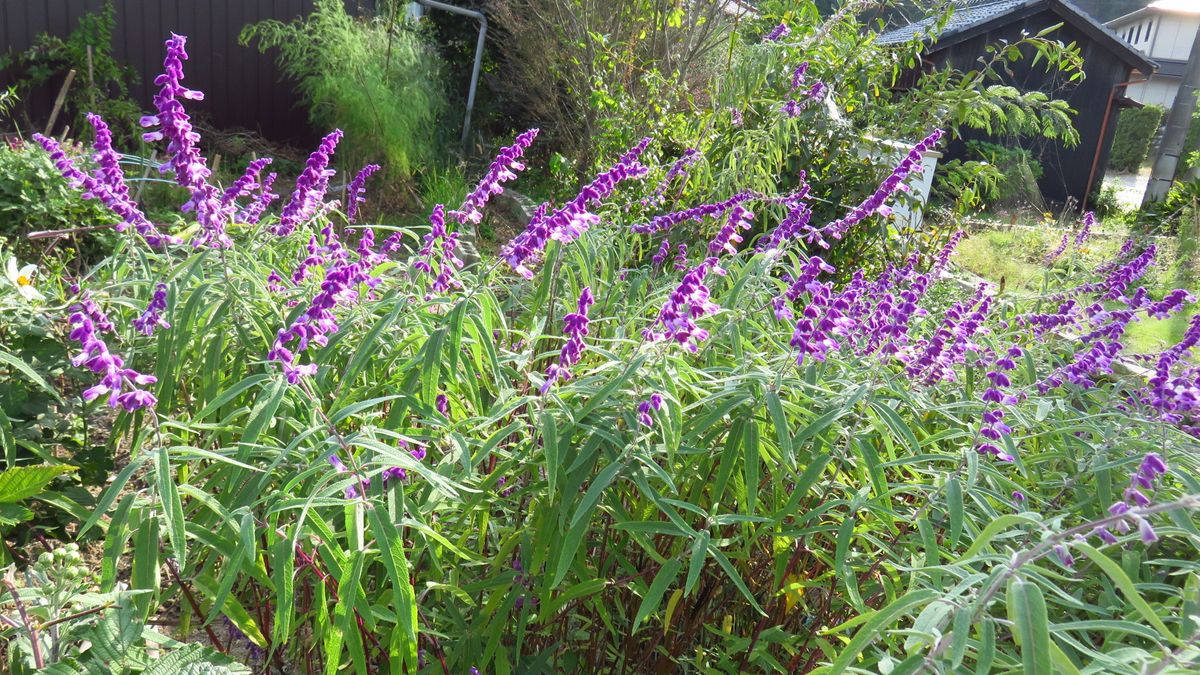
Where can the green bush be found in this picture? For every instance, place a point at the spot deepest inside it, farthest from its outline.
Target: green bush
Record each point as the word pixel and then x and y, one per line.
pixel 1019 172
pixel 1131 141
pixel 379 83
pixel 33 196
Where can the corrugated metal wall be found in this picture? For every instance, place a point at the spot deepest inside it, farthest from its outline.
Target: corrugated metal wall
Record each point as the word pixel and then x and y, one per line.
pixel 242 87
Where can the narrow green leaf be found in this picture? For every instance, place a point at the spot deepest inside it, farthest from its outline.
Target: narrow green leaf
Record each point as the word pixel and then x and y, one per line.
pixel 1027 611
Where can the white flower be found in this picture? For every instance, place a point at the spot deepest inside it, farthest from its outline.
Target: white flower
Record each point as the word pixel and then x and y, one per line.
pixel 22 279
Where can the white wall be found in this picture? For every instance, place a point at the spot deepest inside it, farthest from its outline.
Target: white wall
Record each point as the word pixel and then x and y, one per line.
pixel 1158 91
pixel 1174 37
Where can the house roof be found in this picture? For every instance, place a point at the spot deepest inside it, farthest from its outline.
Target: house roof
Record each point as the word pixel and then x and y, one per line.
pixel 1171 67
pixel 974 17
pixel 1161 6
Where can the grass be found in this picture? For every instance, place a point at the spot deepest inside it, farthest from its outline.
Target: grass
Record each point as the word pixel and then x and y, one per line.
pixel 1015 259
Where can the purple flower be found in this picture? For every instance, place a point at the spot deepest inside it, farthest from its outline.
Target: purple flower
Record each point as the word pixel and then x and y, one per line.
pixel 439 250
pixel 1085 231
pixel 681 262
pixel 340 286
pixel 1064 556
pixel 798 75
pixel 442 404
pixel 1018 497
pixel 503 169
pixel 778 33
pixel 573 218
pixel 152 316
pixel 275 282
pixel 679 168
pixel 121 384
pixel 311 185
pixel 793 108
pixel 661 256
pixel 1146 531
pixel 871 205
pixel 358 187
pixel 695 213
pixel 793 223
pixel 184 160
pixel 253 211
pixel 245 184
pixel 653 403
pixel 575 327
pixel 735 117
pixel 727 237
pixel 108 185
pixel 1058 251
pixel 688 302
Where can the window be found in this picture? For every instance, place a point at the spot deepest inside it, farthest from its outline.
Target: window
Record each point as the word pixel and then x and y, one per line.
pixel 1137 36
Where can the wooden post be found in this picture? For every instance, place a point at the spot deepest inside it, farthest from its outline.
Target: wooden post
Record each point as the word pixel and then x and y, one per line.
pixel 91 79
pixel 58 102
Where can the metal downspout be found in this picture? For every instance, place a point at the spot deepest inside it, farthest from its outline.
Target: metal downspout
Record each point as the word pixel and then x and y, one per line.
pixel 483 24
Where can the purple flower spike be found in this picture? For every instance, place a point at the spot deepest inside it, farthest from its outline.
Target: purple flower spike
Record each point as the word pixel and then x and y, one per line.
pixel 253 211
pixel 871 205
pixel 121 384
pixel 114 194
pixel 696 213
pixel 573 219
pixel 688 302
pixel 661 256
pixel 679 168
pixel 1058 251
pixel 245 184
pixel 778 33
pixel 152 317
pixel 503 169
pixel 798 75
pixel 728 238
pixel 184 160
pixel 439 250
pixel 311 185
pixel 358 187
pixel 1085 231
pixel 575 327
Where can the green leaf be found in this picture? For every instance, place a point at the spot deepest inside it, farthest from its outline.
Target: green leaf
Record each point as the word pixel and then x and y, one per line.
pixel 404 600
pixel 28 372
pixel 1123 582
pixel 879 620
pixel 994 528
pixel 666 574
pixel 1027 611
pixel 23 482
pixel 168 492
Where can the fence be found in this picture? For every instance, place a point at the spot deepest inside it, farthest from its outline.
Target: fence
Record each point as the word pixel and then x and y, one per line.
pixel 242 87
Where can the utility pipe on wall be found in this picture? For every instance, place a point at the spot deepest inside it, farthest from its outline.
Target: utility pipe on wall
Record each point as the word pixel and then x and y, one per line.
pixel 1112 95
pixel 435 4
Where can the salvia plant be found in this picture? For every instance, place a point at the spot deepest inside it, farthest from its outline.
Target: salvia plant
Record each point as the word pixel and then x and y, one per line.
pixel 622 445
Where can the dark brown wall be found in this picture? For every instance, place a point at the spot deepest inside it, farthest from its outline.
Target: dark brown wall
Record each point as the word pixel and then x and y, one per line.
pixel 242 87
pixel 1066 168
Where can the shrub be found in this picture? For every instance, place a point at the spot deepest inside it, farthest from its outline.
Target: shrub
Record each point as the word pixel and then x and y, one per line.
pixel 1019 172
pixel 1136 128
pixel 33 196
pixel 579 458
pixel 381 84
